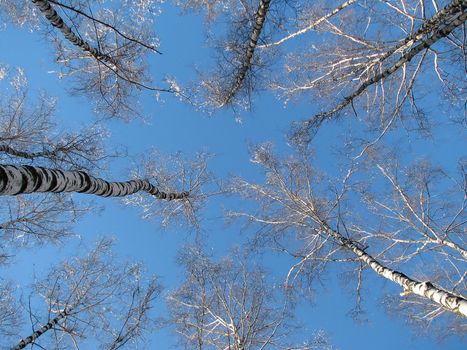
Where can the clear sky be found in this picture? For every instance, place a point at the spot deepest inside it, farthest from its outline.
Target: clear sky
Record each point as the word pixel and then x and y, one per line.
pixel 174 126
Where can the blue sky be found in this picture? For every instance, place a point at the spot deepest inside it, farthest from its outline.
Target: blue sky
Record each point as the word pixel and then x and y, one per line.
pixel 174 126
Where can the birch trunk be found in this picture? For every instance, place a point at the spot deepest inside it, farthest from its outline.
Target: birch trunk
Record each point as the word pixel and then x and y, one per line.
pixel 260 18
pixel 456 6
pixel 53 17
pixel 450 301
pixel 457 19
pixel 22 179
pixel 29 340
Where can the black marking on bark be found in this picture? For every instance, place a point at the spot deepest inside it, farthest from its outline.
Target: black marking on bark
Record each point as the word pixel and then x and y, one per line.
pixel 53 180
pixel 24 182
pixel 36 176
pixel 38 179
pixel 86 181
pixel 49 325
pixel 3 179
pixel 53 17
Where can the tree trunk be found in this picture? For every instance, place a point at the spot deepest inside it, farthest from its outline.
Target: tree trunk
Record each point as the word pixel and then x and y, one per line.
pixel 53 17
pixel 260 18
pixel 21 179
pixel 29 340
pixel 449 301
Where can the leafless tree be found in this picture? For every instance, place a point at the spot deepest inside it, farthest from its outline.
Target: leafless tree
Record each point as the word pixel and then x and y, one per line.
pixel 159 180
pixel 351 57
pixel 103 47
pixel 27 136
pixel 229 305
pixel 296 203
pixel 419 214
pixel 358 55
pixel 92 298
pixel 232 81
pixel 18 179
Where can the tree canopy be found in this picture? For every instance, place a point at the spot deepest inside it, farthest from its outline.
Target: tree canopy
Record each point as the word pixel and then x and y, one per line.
pixel 233 174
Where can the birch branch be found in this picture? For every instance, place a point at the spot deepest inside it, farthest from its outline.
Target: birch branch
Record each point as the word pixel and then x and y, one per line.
pixel 309 27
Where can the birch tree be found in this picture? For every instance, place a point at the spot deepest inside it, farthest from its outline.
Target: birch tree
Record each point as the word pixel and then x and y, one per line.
pixel 229 305
pixel 16 180
pixel 419 213
pixel 161 200
pixel 360 68
pixel 103 48
pixel 29 134
pixel 232 81
pixel 296 203
pixel 92 297
pixel 348 58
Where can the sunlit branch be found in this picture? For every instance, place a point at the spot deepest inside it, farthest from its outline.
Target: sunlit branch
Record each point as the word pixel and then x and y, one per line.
pixel 311 26
pixel 436 236
pixel 318 119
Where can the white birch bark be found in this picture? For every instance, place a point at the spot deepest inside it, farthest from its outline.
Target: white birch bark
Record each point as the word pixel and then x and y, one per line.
pixel 246 65
pixel 15 180
pixel 452 302
pixel 53 17
pixel 49 325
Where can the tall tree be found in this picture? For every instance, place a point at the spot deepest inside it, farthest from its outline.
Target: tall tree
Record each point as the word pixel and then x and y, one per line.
pixel 295 203
pixel 17 179
pixel 232 81
pixel 103 47
pixel 260 17
pixel 229 305
pixel 92 297
pixel 350 57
